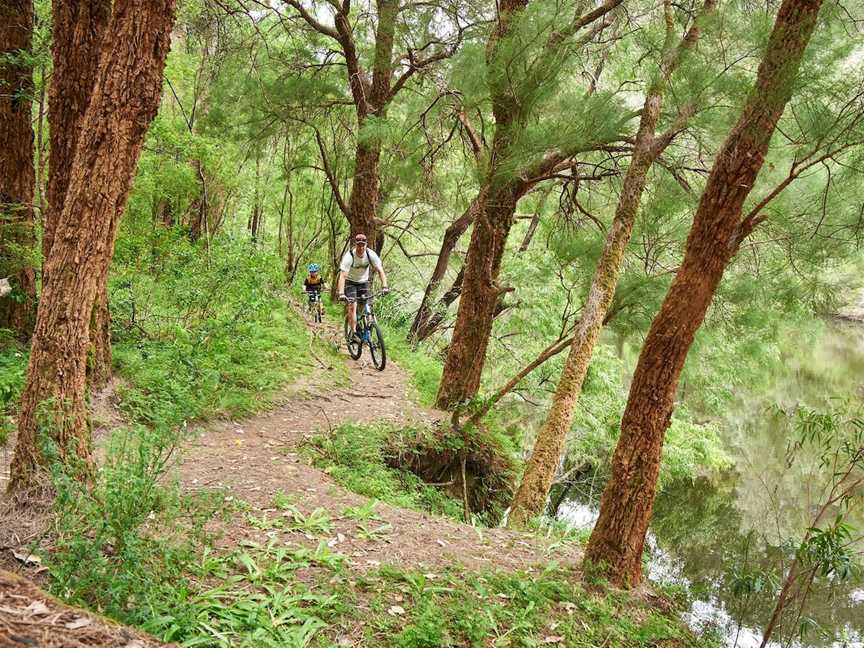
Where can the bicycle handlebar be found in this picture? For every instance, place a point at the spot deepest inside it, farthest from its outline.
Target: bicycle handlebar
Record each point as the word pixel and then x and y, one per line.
pixel 352 300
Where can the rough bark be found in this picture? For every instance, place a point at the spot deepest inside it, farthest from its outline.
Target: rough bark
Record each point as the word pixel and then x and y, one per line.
pixel 530 499
pixel 420 328
pixel 17 172
pixel 618 538
pixel 124 101
pixel 78 29
pixel 99 350
pixel 466 354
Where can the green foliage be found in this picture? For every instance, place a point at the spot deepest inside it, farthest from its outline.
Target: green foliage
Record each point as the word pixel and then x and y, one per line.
pixel 199 336
pixel 516 609
pixel 260 601
pixel 359 457
pixel 110 526
pixel 13 364
pixel 423 369
pixel 690 449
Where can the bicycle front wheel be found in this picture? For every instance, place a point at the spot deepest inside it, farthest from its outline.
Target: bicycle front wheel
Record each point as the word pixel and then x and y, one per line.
pixel 355 347
pixel 376 347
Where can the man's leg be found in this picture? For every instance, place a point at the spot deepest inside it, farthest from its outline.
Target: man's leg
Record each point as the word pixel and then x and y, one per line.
pixel 352 316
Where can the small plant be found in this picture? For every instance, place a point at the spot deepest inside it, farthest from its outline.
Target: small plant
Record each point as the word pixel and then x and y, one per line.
pixel 316 523
pixel 364 512
pixel 376 534
pixel 282 501
pixel 829 549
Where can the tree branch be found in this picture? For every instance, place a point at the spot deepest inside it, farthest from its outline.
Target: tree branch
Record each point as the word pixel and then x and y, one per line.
pixel 318 26
pixel 331 178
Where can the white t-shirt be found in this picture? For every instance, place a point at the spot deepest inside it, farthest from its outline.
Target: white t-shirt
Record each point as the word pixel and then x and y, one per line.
pixel 358 267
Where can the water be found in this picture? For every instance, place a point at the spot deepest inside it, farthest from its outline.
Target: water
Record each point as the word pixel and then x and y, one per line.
pixel 707 535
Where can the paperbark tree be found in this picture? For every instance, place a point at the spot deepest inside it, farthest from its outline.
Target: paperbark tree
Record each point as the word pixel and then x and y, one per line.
pixel 124 101
pixel 17 172
pixel 618 538
pixel 530 498
pixel 78 30
pixel 512 103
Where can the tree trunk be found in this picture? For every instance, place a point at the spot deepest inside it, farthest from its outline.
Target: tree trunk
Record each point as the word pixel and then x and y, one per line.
pixel 439 311
pixel 530 499
pixel 99 351
pixel 618 538
pixel 125 100
pixel 78 30
pixel 365 193
pixel 451 235
pixel 17 173
pixel 79 26
pixel 466 355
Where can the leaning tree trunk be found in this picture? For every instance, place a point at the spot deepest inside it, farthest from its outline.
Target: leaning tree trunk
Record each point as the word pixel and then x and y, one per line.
pixel 78 30
pixel 451 235
pixel 618 538
pixel 124 101
pixel 460 380
pixel 530 499
pixel 17 173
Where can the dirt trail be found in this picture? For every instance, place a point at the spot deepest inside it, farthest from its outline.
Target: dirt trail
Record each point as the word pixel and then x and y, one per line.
pixel 254 458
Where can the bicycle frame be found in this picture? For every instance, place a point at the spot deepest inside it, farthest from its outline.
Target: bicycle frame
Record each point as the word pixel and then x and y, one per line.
pixel 366 325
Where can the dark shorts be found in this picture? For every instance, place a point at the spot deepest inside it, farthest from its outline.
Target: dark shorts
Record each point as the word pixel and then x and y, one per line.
pixel 357 291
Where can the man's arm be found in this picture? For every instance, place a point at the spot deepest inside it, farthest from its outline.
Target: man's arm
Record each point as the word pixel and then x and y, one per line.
pixel 340 290
pixel 379 268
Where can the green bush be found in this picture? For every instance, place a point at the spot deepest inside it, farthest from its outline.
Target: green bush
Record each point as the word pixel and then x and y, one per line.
pixel 359 457
pixel 198 338
pixel 13 366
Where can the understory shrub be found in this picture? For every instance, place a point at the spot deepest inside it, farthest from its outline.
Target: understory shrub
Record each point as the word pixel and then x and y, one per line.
pixel 419 467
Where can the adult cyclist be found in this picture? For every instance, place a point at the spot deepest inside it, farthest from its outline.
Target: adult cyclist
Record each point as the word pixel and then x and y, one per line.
pixel 354 276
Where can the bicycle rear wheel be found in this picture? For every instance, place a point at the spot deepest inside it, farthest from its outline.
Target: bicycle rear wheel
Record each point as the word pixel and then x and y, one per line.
pixel 355 348
pixel 376 347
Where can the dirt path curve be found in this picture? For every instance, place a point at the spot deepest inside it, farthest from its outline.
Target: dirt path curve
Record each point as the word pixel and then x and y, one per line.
pixel 254 458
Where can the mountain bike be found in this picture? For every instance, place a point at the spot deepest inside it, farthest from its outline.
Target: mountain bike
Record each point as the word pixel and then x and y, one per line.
pixel 315 306
pixel 368 332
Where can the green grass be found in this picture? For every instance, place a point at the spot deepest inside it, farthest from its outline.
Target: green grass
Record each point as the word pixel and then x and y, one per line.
pixel 414 609
pixel 208 372
pixel 259 600
pixel 424 370
pixel 355 455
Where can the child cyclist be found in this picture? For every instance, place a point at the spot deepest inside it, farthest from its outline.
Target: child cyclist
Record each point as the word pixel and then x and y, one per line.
pixel 313 285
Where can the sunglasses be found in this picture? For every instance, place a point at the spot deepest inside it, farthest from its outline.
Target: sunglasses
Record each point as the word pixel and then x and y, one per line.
pixel 360 241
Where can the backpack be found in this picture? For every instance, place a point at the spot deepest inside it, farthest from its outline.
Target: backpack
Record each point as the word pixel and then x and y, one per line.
pixel 365 254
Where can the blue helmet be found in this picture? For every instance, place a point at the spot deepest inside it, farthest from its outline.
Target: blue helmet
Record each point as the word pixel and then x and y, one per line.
pixel 314 267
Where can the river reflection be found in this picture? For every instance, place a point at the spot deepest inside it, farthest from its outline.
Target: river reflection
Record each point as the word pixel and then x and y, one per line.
pixel 708 535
